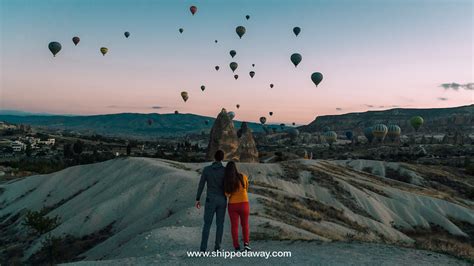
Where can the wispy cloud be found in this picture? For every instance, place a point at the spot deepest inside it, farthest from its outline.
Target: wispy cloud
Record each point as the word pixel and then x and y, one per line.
pixel 442 98
pixel 338 109
pixel 455 86
pixel 157 107
pixel 134 107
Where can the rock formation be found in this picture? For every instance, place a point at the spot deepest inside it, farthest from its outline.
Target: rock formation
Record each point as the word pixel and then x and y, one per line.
pixel 236 146
pixel 247 150
pixel 223 137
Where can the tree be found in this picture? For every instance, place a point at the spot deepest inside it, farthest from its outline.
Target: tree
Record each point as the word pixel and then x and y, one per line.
pixel 78 147
pixel 28 150
pixel 129 149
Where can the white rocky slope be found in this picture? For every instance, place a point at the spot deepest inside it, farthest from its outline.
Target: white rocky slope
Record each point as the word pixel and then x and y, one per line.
pixel 149 203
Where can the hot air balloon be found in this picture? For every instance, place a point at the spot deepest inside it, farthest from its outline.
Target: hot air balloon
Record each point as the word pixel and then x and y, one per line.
pixel 54 47
pixel 181 30
pixel 263 120
pixel 238 106
pixel 127 34
pixel 271 85
pixel 349 135
pixel 379 131
pixel 253 65
pixel 296 30
pixel 368 134
pixel 282 126
pixel 316 77
pixel 193 10
pixel 296 59
pixel 233 66
pixel 294 133
pixel 231 115
pixel 236 76
pixel 394 132
pixel 150 121
pixel 270 113
pixel 176 112
pixel 232 53
pixel 330 137
pixel 416 122
pixel 203 87
pixel 184 95
pixel 247 17
pixel 217 68
pixel 215 41
pixel 240 30
pixel 252 73
pixel 104 50
pixel 76 40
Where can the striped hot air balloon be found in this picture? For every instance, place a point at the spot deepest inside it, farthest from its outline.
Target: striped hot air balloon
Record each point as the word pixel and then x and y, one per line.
pixel 394 132
pixel 380 131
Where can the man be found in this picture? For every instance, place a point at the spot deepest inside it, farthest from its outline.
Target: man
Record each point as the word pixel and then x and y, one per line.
pixel 216 201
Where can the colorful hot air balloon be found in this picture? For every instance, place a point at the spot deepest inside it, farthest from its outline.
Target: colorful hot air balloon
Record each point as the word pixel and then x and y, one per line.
pixel 233 66
pixel 349 135
pixel 176 112
pixel 184 95
pixel 271 85
pixel 368 134
pixel 217 68
pixel 238 106
pixel 236 76
pixel 231 115
pixel 247 17
pixel 181 30
pixel 316 77
pixel 54 47
pixel 270 113
pixel 416 122
pixel 104 50
pixel 203 87
pixel 232 53
pixel 296 59
pixel 263 120
pixel 127 34
pixel 294 124
pixel 379 131
pixel 330 137
pixel 76 40
pixel 394 132
pixel 240 30
pixel 193 10
pixel 252 73
pixel 296 30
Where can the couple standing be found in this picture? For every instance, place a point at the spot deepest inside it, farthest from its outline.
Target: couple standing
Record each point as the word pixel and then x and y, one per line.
pixel 224 183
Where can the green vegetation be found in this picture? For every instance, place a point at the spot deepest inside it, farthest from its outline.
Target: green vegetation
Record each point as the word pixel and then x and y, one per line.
pixel 39 223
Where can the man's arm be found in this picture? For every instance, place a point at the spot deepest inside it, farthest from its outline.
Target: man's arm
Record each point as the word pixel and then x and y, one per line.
pixel 202 182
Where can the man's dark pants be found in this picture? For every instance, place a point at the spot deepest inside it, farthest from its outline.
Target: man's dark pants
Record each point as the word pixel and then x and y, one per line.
pixel 215 204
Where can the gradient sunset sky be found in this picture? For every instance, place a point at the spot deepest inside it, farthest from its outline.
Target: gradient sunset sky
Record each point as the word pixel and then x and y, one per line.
pixel 374 55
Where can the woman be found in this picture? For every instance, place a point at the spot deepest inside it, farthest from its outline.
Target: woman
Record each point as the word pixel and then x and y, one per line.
pixel 235 187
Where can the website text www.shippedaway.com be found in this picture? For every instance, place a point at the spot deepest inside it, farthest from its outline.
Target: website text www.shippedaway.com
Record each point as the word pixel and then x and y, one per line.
pixel 239 254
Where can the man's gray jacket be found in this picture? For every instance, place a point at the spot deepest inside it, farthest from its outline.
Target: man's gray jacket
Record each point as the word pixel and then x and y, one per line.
pixel 213 175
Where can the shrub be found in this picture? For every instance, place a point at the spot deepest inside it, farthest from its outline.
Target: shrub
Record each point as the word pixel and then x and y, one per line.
pixel 39 222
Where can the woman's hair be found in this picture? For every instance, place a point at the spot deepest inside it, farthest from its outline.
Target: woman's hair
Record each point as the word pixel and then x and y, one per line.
pixel 232 178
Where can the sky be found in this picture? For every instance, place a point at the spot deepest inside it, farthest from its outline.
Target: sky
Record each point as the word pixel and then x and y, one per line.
pixel 374 55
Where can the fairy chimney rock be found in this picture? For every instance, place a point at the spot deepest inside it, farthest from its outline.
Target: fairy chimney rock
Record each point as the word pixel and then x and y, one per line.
pixel 223 137
pixel 247 148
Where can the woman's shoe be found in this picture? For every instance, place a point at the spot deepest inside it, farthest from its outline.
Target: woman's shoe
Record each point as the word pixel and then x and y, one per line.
pixel 237 249
pixel 247 247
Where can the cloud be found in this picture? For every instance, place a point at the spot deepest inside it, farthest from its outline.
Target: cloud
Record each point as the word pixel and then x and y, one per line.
pixel 157 107
pixel 442 99
pixel 369 105
pixel 338 109
pixel 455 86
pixel 134 107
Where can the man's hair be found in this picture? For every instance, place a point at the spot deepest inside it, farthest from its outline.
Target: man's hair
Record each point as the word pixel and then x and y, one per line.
pixel 219 155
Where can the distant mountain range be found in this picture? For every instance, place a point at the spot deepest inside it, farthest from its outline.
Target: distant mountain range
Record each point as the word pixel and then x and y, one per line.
pixel 435 120
pixel 123 124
